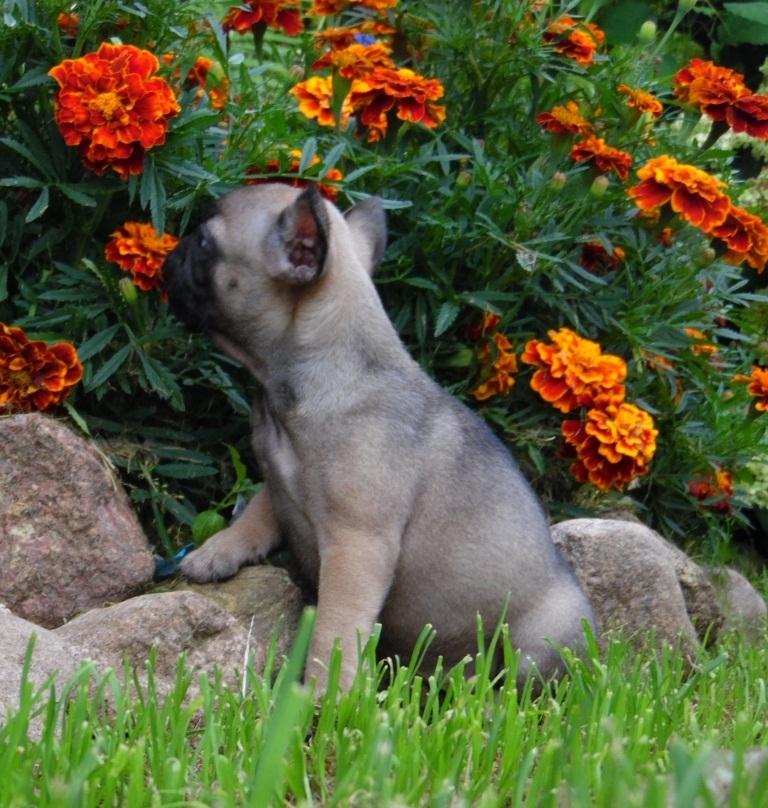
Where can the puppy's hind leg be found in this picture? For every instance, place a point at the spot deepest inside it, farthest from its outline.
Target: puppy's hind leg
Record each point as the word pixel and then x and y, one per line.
pixel 247 541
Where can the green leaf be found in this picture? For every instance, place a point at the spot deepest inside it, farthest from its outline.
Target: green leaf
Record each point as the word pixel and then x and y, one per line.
pixel 240 470
pixel 445 317
pixel 39 208
pixel 159 377
pixel 97 342
pixel 21 182
pixel 185 471
pixel 307 153
pixel 78 196
pixel 332 158
pixel 110 367
pixel 752 12
pixel 206 524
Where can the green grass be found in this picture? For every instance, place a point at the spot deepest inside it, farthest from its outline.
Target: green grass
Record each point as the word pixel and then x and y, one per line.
pixel 621 729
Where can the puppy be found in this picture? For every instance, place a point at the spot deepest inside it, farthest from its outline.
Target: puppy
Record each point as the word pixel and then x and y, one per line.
pixel 398 502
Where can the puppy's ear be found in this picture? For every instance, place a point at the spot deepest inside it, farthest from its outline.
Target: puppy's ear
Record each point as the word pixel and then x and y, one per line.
pixel 368 225
pixel 302 229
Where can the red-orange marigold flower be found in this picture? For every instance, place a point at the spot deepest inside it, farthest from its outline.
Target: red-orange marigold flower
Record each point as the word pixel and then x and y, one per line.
pixel 565 119
pixel 606 157
pixel 749 114
pixel 595 258
pixel 717 487
pixel 281 14
pixel 612 445
pixel 68 23
pixel 217 87
pixel 574 372
pixel 709 88
pixel 501 378
pixel 410 95
pixel 692 193
pixel 137 248
pixel 328 8
pixel 315 96
pixel 579 41
pixel 485 325
pixel 339 37
pixel 112 107
pixel 757 382
pixel 356 61
pixel 275 166
pixel 746 237
pixel 33 375
pixel 641 100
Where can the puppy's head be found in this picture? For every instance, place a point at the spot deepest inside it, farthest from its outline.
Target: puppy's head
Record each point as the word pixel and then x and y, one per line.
pixel 240 274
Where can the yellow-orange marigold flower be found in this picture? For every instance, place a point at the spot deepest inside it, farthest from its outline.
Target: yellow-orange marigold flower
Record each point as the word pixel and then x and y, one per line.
pixel 692 193
pixel 612 445
pixel 410 95
pixel 337 38
pixel 33 375
pixel 606 157
pixel 315 97
pixel 356 61
pixel 68 23
pixel 701 345
pixel 746 237
pixel 502 371
pixel 576 40
pixel 565 119
pixel 757 382
pixel 283 15
pixel 275 166
pixel 641 100
pixel 717 487
pixel 574 372
pixel 595 258
pixel 137 248
pixel 217 88
pixel 112 107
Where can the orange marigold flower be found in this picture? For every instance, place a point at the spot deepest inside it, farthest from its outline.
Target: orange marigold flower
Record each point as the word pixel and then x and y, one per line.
pixel 338 37
pixel 502 372
pixel 137 248
pixel 700 346
pixel 281 14
pixel 641 100
pixel 33 375
pixel 691 192
pixel 717 487
pixel 579 41
pixel 757 382
pixel 68 23
pixel 612 445
pixel 112 107
pixel 331 7
pixel 565 119
pixel 216 85
pixel 595 258
pixel 410 95
pixel 746 237
pixel 275 167
pixel 479 329
pixel 356 61
pixel 606 157
pixel 574 372
pixel 315 96
pixel 709 88
pixel 665 236
pixel 749 114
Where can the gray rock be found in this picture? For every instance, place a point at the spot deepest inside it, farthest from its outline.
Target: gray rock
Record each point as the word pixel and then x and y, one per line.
pixel 52 657
pixel 263 598
pixel 720 774
pixel 174 623
pixel 742 605
pixel 69 539
pixel 631 577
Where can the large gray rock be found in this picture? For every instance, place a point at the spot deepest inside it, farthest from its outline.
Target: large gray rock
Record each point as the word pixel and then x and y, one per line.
pixel 174 623
pixel 742 606
pixel 633 578
pixel 69 539
pixel 53 657
pixel 263 598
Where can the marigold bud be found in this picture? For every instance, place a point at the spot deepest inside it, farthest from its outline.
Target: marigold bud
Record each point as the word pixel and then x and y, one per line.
pixel 463 179
pixel 599 186
pixel 647 32
pixel 297 71
pixel 558 180
pixel 706 257
pixel 128 291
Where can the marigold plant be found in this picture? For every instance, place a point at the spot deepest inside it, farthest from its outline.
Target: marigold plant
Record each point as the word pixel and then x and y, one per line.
pixel 137 248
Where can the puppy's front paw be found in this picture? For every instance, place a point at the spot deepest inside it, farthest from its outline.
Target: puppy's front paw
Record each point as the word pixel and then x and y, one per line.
pixel 219 558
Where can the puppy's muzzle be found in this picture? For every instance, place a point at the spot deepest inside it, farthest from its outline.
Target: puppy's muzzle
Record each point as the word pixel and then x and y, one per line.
pixel 188 273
